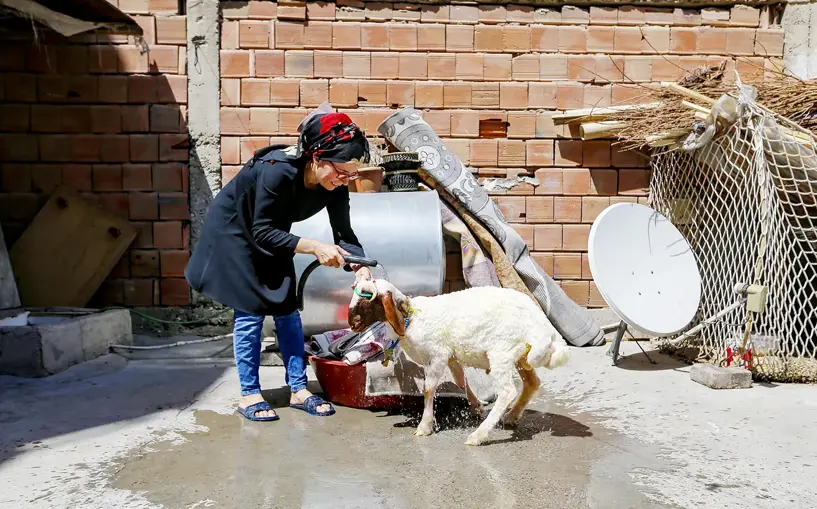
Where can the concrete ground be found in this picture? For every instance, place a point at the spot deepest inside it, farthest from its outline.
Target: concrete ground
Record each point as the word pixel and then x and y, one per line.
pixel 145 434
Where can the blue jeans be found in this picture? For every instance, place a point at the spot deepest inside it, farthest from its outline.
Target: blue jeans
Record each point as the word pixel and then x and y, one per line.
pixel 247 349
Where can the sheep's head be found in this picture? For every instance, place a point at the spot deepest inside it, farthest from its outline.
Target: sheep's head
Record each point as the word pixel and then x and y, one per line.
pixel 377 301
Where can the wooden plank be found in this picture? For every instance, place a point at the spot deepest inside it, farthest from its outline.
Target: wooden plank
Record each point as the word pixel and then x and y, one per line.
pixel 9 298
pixel 65 254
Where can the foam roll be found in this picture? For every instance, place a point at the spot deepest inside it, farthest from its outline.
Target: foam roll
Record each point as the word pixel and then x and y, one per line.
pixel 407 131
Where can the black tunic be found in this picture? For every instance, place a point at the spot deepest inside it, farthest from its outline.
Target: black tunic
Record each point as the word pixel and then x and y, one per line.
pixel 244 256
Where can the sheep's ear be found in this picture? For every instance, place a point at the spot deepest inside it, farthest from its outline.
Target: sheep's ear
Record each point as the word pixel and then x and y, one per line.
pixel 393 317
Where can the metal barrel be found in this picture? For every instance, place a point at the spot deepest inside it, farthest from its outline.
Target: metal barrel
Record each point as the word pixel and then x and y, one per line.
pixel 402 231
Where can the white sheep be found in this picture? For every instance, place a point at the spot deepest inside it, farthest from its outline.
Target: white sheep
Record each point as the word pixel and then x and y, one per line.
pixel 499 330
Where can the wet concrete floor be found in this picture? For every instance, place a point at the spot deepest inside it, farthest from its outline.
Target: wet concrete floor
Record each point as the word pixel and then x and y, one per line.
pixel 371 459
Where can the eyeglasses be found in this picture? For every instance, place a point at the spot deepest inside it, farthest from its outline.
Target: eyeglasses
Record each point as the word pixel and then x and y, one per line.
pixel 342 174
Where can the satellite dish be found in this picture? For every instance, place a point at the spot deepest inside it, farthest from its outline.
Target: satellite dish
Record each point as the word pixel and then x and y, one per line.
pixel 644 270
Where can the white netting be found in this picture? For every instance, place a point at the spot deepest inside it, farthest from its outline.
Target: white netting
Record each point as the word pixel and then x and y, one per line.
pixel 747 204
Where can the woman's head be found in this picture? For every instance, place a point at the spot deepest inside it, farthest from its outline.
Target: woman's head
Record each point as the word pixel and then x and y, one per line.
pixel 335 145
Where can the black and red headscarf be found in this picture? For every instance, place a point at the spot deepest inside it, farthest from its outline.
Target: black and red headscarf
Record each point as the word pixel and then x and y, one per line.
pixel 333 137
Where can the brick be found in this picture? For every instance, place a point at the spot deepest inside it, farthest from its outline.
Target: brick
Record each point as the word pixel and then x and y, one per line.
pixel 298 64
pixel 751 69
pixel 469 66
pixel 542 95
pixel 596 154
pixel 255 91
pixel 374 36
pixel 414 66
pixel 402 37
pixel 434 12
pixel 173 262
pixel 592 206
pixel 520 13
pixel 254 34
pixel 597 96
pixel 284 93
pixel 318 35
pixel 545 128
pixel 343 93
pixel 550 181
pixel 291 10
pixel 666 68
pixel 516 39
pixel 168 176
pixel 16 177
pixel 492 14
pixel 431 38
pixel 356 65
pixel 511 153
pixel 143 206
pixel 235 64
pixel 539 209
pixel 638 68
pixel 379 10
pixel 289 35
pixel 567 265
pixel 327 64
pixel 574 237
pixel 142 89
pixel 314 92
pixel 345 35
pixel 576 181
pixel 521 124
pixel 163 6
pixel 633 182
pixel 568 153
pixel 171 89
pixel 569 96
pixel 173 147
pixel 512 207
pixel 173 206
pixel 352 10
pixel 609 68
pixel 229 35
pixel 740 41
pixel 578 291
pixel 547 237
pixel 136 177
pixel 400 93
pixel 769 42
pixel 497 67
pixel 686 17
pixel 429 95
pixel 103 59
pixel 545 262
pixel 628 39
pixel 683 40
pixel 132 60
pixel 714 16
pixel 171 30
pixel 371 93
pixel 248 145
pixel 235 120
pixel 484 152
pixel 165 118
pixel 386 65
pixel 544 38
pixel 539 152
pixel 567 209
pixel 526 67
pixel 712 40
pixel 320 11
pixel 461 13
pixel 268 63
pixel 163 59
pixel 174 292
pixel 581 67
pixel 572 39
pixel 74 59
pixel 144 263
pixel 406 12
pixel 262 10
pixel 42 178
pixel 526 231
pixel 439 120
pixel 231 149
pixel 743 15
pixel 553 67
pixel 485 95
pixel 575 15
pixel 631 15
pixel 465 123
pixel 600 15
pixel 655 39
pixel 457 94
pixel 513 95
pixel 459 38
pixel 602 38
pixel 488 38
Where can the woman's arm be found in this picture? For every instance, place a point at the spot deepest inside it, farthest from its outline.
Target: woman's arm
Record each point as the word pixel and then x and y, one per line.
pixel 339 220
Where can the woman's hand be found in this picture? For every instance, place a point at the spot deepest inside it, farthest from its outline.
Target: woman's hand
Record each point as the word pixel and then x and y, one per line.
pixel 328 254
pixel 362 274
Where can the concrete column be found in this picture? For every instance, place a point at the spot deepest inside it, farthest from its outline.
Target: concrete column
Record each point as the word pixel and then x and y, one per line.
pixel 800 38
pixel 203 104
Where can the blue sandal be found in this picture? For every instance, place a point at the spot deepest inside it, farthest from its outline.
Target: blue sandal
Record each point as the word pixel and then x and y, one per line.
pixel 311 406
pixel 249 412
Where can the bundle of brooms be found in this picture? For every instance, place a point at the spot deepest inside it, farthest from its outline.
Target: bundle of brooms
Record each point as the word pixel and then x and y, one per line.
pixel 666 114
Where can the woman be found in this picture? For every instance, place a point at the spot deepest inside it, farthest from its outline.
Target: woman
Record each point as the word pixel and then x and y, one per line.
pixel 244 258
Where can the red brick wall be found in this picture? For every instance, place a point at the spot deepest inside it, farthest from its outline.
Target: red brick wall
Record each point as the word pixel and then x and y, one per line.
pixel 95 113
pixel 463 63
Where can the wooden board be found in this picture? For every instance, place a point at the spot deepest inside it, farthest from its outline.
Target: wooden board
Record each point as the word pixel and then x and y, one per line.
pixel 65 254
pixel 9 298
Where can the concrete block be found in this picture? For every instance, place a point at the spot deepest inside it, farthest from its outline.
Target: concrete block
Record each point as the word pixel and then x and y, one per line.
pixel 717 377
pixel 50 344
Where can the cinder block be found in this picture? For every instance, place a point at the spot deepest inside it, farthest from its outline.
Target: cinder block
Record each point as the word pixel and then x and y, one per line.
pixel 717 377
pixel 50 344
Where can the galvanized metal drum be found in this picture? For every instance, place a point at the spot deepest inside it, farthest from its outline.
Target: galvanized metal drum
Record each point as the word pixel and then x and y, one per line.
pixel 402 231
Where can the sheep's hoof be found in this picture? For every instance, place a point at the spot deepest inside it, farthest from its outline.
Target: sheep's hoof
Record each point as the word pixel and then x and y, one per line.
pixel 474 439
pixel 422 432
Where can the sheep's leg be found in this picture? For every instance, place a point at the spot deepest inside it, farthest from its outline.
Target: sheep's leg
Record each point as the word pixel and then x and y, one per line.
pixel 506 393
pixel 433 374
pixel 530 386
pixel 459 379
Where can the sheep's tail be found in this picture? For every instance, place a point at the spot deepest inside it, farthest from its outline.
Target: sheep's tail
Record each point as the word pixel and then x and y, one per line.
pixel 550 354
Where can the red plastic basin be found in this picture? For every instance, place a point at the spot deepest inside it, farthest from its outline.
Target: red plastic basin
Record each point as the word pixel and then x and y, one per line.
pixel 346 385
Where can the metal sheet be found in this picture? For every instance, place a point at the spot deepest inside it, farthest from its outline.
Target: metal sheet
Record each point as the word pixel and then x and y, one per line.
pixel 402 231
